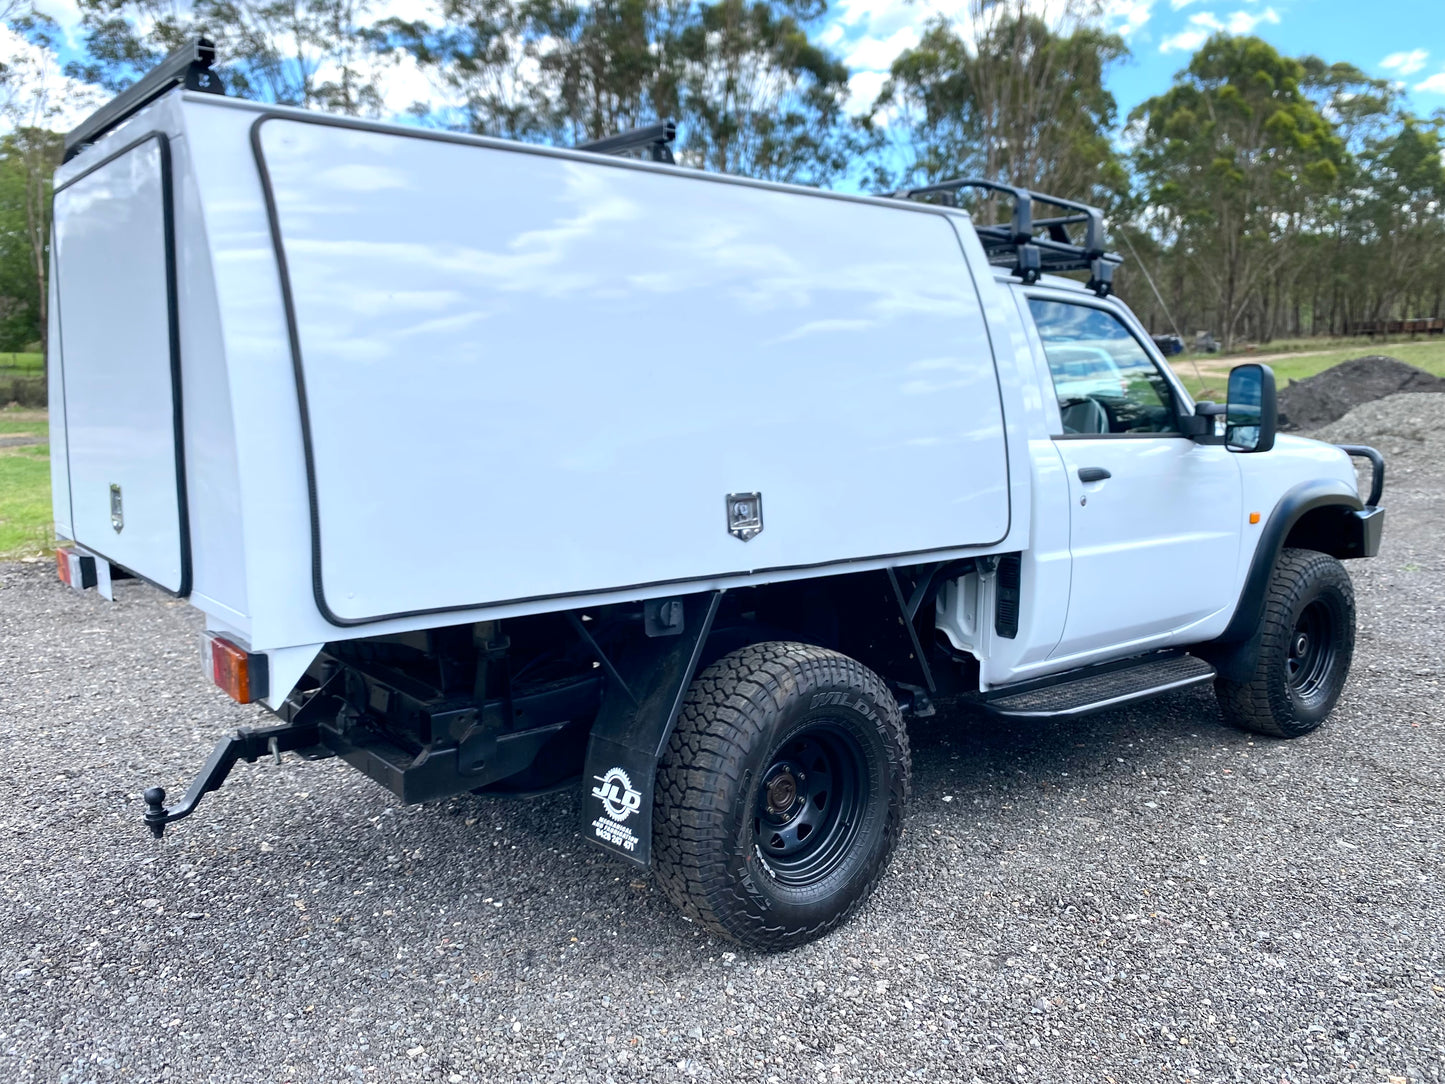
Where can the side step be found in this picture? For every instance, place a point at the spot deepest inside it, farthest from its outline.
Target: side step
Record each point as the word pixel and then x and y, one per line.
pixel 1098 688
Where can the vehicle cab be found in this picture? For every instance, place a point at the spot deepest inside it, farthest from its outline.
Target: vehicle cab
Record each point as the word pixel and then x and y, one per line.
pixel 1156 520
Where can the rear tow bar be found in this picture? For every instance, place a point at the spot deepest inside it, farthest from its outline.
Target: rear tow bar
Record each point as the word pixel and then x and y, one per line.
pixel 247 745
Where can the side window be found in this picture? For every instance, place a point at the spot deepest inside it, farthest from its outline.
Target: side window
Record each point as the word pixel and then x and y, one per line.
pixel 1104 380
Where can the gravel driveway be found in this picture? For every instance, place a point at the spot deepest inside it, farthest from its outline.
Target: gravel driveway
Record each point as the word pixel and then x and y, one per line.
pixel 1139 896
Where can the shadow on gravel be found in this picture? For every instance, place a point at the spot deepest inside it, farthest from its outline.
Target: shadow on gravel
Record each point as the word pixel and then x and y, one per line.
pixel 517 873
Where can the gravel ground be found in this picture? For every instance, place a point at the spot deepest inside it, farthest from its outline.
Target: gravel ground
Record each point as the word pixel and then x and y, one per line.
pixel 1139 896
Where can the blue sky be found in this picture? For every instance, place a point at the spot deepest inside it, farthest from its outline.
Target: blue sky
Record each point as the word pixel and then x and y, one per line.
pixel 1403 40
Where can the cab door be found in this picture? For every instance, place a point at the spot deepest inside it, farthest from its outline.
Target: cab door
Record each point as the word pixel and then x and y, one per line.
pixel 1154 518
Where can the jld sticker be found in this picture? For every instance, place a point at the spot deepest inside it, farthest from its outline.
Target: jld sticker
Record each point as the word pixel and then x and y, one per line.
pixel 619 801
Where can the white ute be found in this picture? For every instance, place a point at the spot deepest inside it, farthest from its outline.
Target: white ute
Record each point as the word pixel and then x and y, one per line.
pixel 509 469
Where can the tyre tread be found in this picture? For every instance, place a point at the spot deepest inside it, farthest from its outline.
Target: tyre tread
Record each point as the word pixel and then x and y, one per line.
pixel 723 718
pixel 1261 704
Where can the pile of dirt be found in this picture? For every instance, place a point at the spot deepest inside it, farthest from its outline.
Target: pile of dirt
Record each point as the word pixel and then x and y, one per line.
pixel 1408 428
pixel 1328 396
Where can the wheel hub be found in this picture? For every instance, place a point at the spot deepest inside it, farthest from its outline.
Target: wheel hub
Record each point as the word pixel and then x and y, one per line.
pixel 1312 651
pixel 808 805
pixel 782 792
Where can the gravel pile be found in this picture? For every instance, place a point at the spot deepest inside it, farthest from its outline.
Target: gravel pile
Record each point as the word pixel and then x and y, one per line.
pixel 1138 896
pixel 1407 427
pixel 1325 397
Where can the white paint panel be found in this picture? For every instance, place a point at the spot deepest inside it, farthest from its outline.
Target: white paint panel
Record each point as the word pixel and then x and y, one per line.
pixel 114 323
pixel 529 376
pixel 1154 546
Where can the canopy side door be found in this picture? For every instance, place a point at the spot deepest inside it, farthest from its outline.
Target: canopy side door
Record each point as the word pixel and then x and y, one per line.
pixel 118 330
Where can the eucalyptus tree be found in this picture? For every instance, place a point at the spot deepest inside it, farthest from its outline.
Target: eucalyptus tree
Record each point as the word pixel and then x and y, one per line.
pixel 33 98
pixel 1010 91
pixel 483 58
pixel 758 96
pixel 314 53
pixel 1234 159
pixel 1404 220
pixel 751 90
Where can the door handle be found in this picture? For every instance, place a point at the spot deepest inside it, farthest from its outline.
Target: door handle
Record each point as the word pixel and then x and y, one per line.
pixel 1093 474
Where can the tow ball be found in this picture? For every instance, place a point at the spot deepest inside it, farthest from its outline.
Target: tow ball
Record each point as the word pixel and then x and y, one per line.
pixel 247 745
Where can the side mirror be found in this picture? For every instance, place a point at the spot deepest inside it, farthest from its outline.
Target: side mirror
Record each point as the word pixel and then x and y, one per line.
pixel 1251 417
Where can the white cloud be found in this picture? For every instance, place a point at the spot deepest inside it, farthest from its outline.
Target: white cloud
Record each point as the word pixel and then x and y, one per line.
pixel 1204 23
pixel 1242 22
pixel 863 88
pixel 1186 41
pixel 876 54
pixel 882 18
pixel 1405 63
pixel 1433 85
pixel 66 14
pixel 1126 17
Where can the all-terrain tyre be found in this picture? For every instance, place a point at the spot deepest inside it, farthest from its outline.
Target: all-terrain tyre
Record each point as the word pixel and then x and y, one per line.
pixel 1301 655
pixel 781 796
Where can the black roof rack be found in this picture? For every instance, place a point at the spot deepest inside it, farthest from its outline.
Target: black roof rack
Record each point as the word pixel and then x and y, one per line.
pixel 188 66
pixel 1017 244
pixel 653 139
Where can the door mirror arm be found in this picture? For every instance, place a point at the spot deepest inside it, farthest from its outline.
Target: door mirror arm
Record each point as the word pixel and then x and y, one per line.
pixel 1200 426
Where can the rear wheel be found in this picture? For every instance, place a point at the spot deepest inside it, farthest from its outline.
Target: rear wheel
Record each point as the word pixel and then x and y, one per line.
pixel 1303 654
pixel 780 798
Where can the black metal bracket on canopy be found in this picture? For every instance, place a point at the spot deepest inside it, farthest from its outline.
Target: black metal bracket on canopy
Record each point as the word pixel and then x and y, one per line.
pixel 654 139
pixel 189 66
pixel 1030 246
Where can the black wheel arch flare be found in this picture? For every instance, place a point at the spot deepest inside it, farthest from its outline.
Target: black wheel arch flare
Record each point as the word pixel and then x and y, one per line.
pixel 1313 515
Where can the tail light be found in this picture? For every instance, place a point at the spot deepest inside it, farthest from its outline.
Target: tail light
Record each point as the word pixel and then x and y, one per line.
pixel 76 570
pixel 241 674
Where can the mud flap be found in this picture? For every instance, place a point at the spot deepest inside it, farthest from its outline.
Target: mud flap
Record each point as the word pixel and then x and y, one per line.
pixel 639 710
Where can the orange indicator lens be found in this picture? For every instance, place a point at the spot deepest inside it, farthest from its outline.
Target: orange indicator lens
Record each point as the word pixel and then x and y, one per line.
pixel 230 668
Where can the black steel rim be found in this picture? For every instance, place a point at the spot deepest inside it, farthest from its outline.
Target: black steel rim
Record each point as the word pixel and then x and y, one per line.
pixel 1313 647
pixel 809 805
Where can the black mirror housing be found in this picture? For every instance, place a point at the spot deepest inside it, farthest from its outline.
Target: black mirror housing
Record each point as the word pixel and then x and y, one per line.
pixel 1251 417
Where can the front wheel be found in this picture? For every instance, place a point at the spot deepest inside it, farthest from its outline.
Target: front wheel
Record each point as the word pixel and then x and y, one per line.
pixel 780 798
pixel 1305 645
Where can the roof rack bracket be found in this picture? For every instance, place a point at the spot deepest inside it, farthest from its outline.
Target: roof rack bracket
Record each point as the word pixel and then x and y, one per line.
pixel 1101 277
pixel 655 139
pixel 189 66
pixel 1030 263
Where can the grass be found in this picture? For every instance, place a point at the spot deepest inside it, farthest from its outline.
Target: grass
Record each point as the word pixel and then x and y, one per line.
pixel 1205 375
pixel 22 364
pixel 25 525
pixel 1365 345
